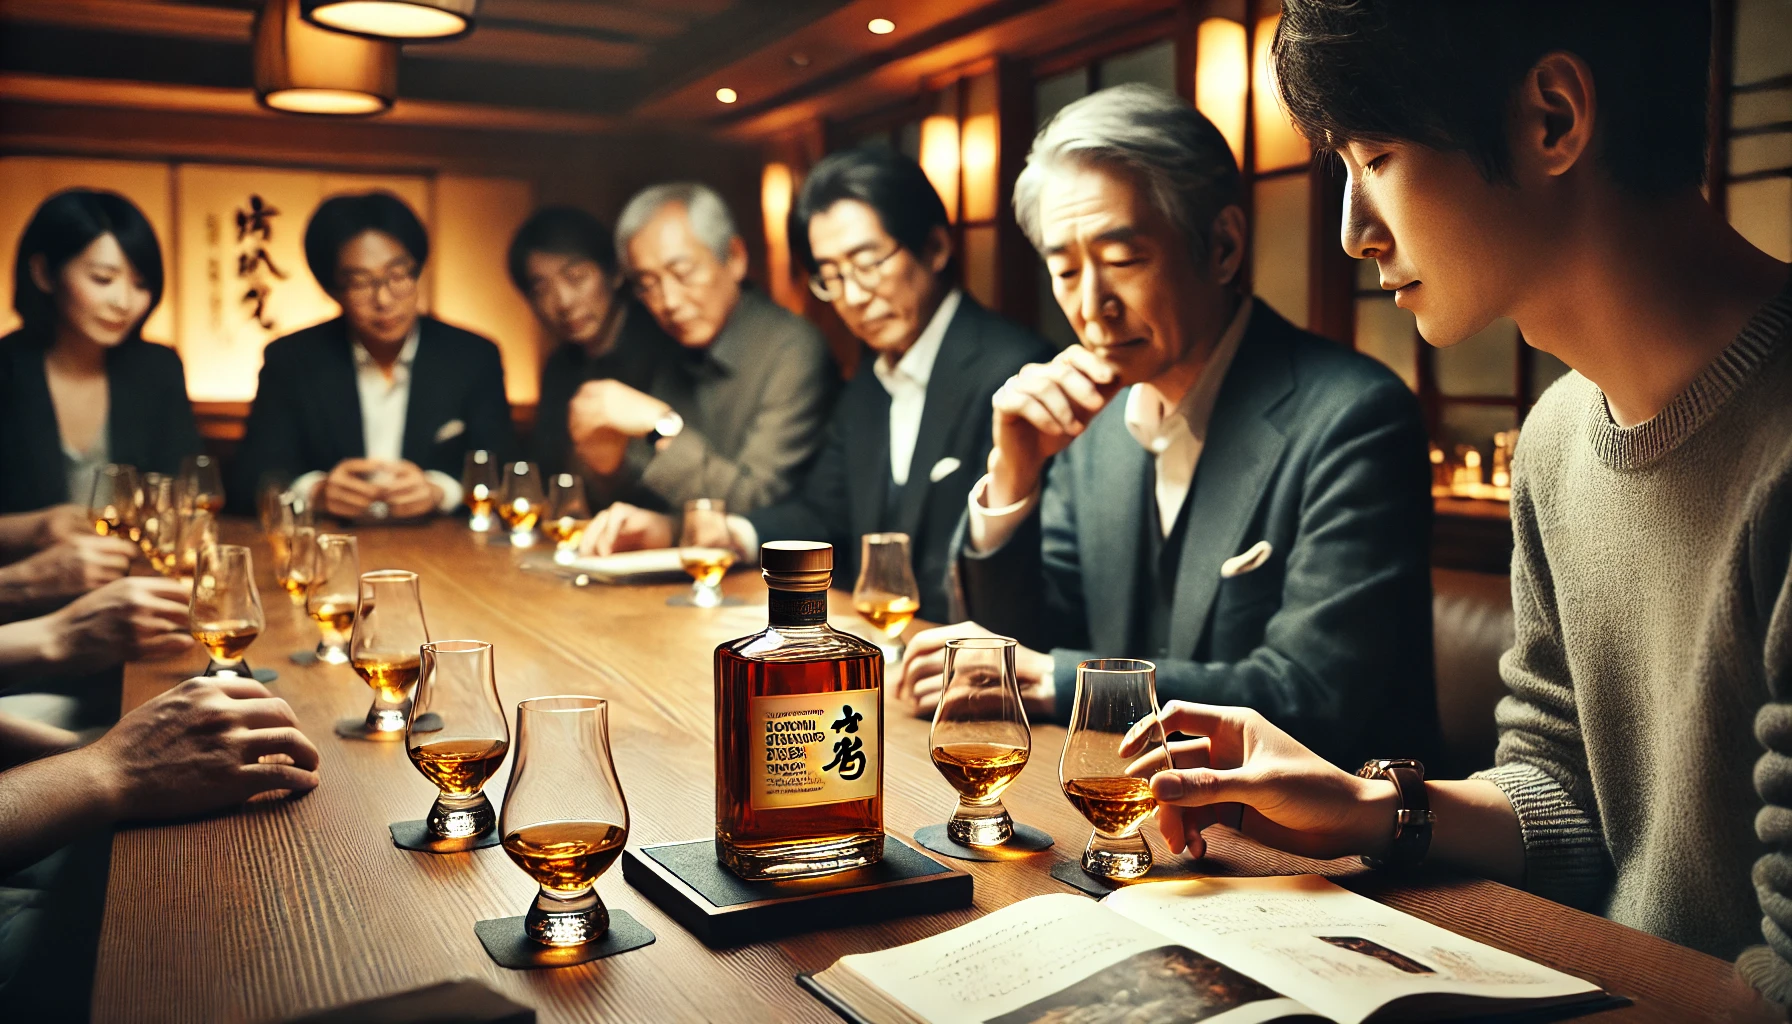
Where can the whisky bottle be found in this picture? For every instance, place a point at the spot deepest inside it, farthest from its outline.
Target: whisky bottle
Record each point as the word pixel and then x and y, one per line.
pixel 799 732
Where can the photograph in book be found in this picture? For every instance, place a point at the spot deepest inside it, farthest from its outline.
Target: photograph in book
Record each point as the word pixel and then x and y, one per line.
pixel 1170 985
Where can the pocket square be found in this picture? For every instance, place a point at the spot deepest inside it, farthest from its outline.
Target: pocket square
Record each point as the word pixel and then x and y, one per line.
pixel 943 469
pixel 450 430
pixel 1252 558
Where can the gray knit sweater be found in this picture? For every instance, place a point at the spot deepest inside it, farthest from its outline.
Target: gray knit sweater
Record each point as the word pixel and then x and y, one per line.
pixel 1654 624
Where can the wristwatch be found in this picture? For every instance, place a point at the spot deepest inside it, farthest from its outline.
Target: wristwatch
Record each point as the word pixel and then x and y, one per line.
pixel 666 428
pixel 1413 820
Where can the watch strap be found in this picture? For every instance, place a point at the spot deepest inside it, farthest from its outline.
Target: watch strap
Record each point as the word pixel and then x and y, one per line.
pixel 1412 819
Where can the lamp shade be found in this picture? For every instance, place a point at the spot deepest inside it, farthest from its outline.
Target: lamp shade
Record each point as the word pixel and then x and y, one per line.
pixel 407 20
pixel 303 69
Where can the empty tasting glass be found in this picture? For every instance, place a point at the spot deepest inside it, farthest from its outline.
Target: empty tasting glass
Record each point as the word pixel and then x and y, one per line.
pixel 520 501
pixel 467 738
pixel 198 535
pixel 159 536
pixel 886 594
pixel 388 634
pixel 479 489
pixel 980 737
pixel 225 609
pixel 703 549
pixel 199 485
pixel 565 820
pixel 1112 695
pixel 331 596
pixel 271 494
pixel 566 517
pixel 112 505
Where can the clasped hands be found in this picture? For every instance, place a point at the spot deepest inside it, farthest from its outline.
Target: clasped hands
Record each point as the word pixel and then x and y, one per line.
pixel 604 415
pixel 355 484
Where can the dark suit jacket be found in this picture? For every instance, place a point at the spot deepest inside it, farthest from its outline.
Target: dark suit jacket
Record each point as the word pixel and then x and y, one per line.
pixel 845 493
pixel 1312 447
pixel 307 411
pixel 149 423
pixel 641 347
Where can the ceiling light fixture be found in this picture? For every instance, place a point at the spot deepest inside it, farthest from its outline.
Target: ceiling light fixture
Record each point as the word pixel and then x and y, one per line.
pixel 303 69
pixel 408 20
pixel 881 26
pixel 727 95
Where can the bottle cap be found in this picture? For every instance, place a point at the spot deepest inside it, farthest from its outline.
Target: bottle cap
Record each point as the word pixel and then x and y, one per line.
pixel 797 564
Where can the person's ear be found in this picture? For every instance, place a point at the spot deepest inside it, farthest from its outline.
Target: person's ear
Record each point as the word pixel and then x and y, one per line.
pixel 1226 245
pixel 40 273
pixel 1556 110
pixel 938 251
pixel 737 259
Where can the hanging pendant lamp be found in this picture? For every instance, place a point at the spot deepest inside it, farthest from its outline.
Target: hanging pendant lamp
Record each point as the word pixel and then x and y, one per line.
pixel 407 20
pixel 303 69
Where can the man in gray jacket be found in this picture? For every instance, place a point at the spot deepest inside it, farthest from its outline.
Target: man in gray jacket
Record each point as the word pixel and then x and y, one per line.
pixel 738 410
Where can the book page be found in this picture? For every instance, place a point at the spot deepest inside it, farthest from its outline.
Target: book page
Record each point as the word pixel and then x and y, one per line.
pixel 1053 957
pixel 1343 954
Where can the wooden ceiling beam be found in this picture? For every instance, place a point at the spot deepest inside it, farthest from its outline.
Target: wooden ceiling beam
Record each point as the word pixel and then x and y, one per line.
pixel 137 17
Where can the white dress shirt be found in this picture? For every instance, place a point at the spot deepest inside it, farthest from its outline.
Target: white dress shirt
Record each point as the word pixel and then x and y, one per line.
pixel 384 402
pixel 906 381
pixel 1174 435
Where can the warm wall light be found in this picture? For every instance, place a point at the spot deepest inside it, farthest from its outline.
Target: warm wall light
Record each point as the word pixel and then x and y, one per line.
pixel 776 186
pixel 881 26
pixel 303 69
pixel 1275 140
pixel 727 95
pixel 1220 78
pixel 939 159
pixel 409 20
pixel 978 152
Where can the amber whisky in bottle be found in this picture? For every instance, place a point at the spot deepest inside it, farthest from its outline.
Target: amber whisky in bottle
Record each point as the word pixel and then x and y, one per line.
pixel 799 732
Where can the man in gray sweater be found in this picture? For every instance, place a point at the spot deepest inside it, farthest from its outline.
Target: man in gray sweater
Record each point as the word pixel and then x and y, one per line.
pixel 1542 161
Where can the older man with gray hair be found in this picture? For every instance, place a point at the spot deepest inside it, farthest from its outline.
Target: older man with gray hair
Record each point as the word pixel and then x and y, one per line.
pixel 744 408
pixel 1291 572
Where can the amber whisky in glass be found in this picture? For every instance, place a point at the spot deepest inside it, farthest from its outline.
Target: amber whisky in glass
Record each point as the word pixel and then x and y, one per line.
pixel 799 732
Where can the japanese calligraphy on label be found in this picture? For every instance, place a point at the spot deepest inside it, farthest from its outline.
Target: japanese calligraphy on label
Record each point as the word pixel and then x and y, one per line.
pixel 816 748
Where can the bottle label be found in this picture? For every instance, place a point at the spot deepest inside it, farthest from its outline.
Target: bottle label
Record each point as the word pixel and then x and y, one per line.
pixel 816 748
pixel 796 608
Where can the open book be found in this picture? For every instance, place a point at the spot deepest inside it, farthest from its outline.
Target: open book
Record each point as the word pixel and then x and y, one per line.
pixel 1223 950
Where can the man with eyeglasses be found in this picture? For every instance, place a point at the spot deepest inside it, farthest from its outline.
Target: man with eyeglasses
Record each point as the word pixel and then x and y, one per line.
pixel 372 413
pixel 910 433
pixel 738 412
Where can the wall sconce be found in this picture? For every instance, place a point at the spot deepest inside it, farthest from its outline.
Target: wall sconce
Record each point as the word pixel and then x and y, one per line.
pixel 1221 74
pixel 940 159
pixel 776 188
pixel 409 20
pixel 303 69
pixel 1277 144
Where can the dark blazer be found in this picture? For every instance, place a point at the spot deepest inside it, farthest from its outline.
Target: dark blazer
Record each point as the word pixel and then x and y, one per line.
pixel 149 423
pixel 1312 447
pixel 307 411
pixel 633 360
pixel 846 491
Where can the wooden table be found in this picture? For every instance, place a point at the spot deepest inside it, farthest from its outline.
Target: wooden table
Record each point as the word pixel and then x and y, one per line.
pixel 295 906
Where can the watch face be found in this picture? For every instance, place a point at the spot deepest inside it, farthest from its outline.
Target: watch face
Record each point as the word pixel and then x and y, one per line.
pixel 669 425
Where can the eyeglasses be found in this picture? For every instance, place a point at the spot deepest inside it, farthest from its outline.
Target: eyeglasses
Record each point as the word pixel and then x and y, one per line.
pixel 866 271
pixel 399 284
pixel 687 274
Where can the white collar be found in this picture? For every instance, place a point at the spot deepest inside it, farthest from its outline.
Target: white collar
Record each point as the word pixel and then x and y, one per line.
pixel 916 365
pixel 406 355
pixel 1151 420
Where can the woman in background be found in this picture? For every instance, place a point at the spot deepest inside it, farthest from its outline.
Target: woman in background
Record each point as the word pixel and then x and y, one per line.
pixel 79 387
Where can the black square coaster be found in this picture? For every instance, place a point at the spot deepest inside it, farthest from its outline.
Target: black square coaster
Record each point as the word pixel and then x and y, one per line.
pixel 1025 841
pixel 356 728
pixel 414 835
pixel 506 944
pixel 696 890
pixel 303 657
pixel 1071 873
